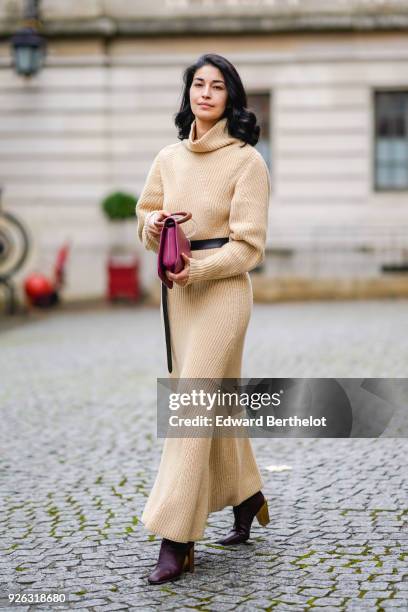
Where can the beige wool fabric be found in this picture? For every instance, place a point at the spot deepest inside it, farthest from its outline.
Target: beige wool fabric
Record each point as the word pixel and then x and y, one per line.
pixel 226 187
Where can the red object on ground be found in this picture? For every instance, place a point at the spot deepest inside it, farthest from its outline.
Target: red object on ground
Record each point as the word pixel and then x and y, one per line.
pixel 37 285
pixel 123 277
pixel 39 289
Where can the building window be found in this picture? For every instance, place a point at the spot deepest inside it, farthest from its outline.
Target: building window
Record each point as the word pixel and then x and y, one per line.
pixel 259 103
pixel 391 140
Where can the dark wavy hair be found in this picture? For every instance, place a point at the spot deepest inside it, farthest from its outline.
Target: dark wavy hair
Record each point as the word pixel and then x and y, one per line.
pixel 241 122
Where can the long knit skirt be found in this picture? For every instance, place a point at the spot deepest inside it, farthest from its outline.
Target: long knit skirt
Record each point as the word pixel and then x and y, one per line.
pixel 197 476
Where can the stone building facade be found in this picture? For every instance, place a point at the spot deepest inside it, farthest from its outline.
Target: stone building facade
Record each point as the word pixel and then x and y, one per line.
pixel 329 81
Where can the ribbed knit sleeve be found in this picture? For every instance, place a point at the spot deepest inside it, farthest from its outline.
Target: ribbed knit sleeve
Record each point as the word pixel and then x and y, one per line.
pixel 150 200
pixel 248 226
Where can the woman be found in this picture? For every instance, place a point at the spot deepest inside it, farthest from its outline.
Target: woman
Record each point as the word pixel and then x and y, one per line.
pixel 216 174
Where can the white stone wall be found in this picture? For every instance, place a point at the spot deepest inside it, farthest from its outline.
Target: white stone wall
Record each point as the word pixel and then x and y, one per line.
pixel 91 123
pixel 123 9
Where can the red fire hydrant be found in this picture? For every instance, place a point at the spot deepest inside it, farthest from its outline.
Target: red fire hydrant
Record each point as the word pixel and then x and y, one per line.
pixel 123 277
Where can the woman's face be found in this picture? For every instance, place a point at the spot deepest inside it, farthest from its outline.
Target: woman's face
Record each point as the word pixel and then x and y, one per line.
pixel 208 86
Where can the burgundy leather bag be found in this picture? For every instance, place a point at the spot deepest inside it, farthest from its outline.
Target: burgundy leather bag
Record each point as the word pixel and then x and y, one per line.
pixel 173 242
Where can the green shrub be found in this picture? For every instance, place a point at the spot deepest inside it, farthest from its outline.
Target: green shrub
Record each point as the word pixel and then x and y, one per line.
pixel 119 205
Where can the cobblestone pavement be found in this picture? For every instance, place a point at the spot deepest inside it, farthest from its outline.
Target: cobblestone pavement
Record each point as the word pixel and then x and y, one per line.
pixel 79 454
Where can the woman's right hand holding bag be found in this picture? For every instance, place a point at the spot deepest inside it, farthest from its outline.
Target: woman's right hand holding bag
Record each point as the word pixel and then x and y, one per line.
pixel 155 222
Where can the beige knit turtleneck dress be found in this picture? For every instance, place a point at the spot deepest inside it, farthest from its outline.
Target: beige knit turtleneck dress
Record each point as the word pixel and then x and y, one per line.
pixel 226 187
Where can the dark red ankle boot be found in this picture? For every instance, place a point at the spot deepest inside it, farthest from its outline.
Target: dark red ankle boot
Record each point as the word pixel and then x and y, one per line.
pixel 174 558
pixel 244 515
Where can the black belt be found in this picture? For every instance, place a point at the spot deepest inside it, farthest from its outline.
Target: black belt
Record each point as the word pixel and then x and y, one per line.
pixel 211 243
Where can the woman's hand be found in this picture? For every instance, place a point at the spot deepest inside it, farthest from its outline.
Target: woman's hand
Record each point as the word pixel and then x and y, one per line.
pixel 155 222
pixel 182 277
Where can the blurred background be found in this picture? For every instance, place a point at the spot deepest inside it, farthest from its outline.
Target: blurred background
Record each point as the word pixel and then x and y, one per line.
pixel 87 97
pixel 88 94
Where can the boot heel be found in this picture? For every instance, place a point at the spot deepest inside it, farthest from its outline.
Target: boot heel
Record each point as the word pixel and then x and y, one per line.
pixel 189 560
pixel 263 515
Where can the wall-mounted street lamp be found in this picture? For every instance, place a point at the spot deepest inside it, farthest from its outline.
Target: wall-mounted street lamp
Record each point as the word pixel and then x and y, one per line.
pixel 28 46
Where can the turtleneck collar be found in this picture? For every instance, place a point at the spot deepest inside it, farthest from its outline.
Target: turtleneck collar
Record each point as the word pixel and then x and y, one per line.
pixel 215 138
